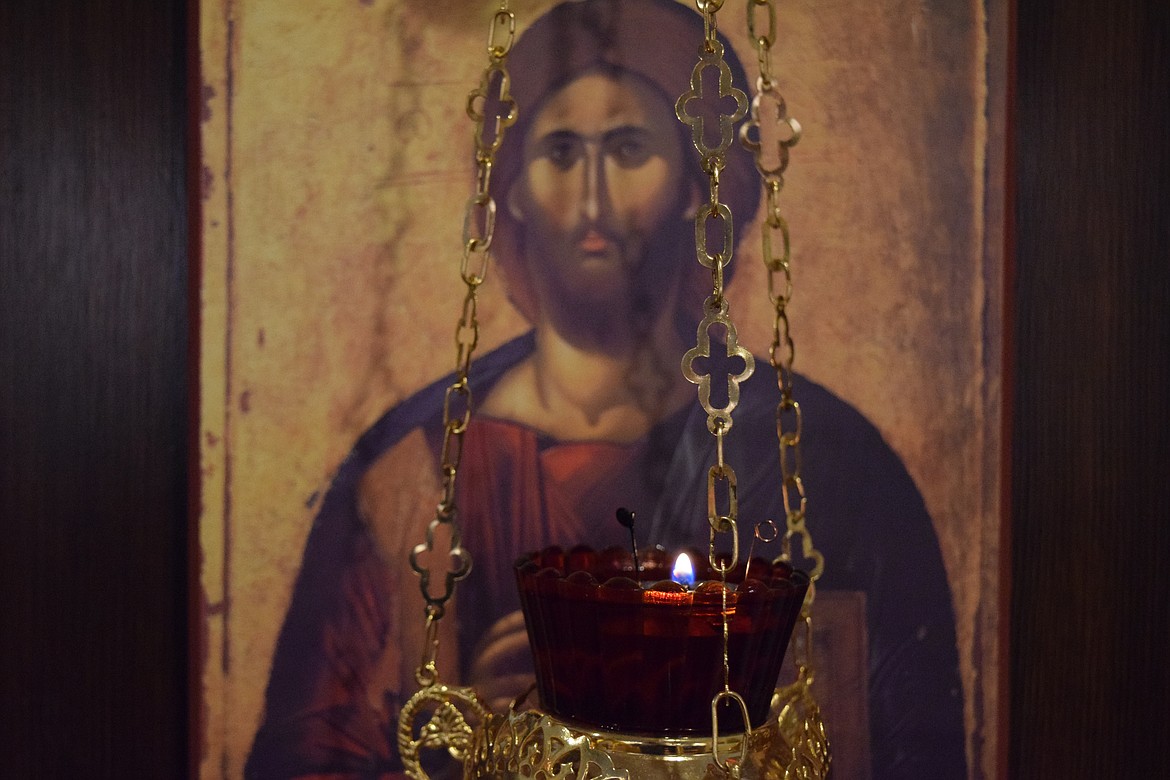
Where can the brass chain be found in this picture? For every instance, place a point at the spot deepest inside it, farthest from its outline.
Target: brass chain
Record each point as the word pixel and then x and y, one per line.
pixel 777 257
pixel 715 312
pixel 492 109
pixel 810 754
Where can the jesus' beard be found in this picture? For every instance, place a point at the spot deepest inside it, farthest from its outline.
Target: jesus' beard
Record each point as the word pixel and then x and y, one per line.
pixel 618 300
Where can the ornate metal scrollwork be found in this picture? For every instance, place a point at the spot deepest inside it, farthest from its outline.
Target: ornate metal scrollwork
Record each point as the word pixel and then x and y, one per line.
pixel 448 727
pixel 533 745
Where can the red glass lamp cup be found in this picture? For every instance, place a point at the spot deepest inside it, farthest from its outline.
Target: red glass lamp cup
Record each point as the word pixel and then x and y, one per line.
pixel 638 653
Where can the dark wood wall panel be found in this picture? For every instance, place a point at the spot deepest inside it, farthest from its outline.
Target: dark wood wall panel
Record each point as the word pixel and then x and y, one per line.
pixel 1091 523
pixel 93 389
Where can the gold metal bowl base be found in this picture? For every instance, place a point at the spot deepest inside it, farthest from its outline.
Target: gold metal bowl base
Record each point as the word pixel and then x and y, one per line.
pixel 534 744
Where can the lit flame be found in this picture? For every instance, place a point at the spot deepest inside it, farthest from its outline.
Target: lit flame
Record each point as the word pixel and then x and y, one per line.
pixel 684 571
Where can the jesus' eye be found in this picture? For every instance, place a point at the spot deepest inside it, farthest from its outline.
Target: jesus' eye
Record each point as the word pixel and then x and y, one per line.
pixel 630 146
pixel 561 149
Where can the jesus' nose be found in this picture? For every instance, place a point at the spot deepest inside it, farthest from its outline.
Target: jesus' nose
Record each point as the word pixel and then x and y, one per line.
pixel 594 195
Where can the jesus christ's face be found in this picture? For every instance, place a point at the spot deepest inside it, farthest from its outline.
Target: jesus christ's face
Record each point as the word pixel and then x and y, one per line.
pixel 601 183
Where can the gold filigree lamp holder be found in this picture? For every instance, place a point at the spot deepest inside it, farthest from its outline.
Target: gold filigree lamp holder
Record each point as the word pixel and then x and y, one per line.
pixel 526 742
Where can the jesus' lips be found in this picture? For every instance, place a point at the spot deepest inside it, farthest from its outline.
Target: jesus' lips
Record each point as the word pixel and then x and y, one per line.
pixel 595 242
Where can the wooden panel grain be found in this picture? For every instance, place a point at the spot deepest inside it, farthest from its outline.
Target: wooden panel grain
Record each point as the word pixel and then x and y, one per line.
pixel 1091 468
pixel 93 389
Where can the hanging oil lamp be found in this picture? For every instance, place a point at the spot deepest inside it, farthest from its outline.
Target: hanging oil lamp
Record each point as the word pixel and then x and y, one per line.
pixel 662 665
